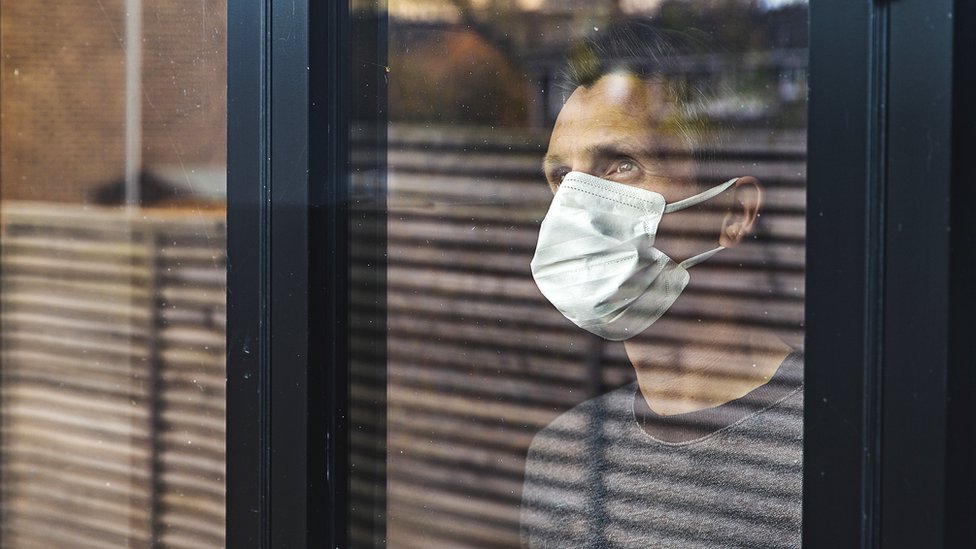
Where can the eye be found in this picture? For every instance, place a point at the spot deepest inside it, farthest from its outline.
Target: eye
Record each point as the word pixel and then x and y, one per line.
pixel 557 176
pixel 625 166
pixel 623 170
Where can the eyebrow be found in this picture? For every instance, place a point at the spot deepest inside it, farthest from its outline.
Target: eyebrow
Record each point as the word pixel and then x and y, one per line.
pixel 549 161
pixel 620 147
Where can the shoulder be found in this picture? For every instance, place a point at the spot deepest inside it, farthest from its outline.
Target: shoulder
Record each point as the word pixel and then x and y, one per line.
pixel 566 447
pixel 574 425
pixel 562 462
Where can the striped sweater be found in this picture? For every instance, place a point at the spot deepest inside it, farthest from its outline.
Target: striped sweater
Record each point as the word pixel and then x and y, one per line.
pixel 611 474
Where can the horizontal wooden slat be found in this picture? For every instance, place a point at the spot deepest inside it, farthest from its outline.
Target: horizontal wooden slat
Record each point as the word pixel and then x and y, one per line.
pixel 95 301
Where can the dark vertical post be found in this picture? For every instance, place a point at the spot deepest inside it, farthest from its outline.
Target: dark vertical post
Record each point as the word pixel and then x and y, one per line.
pixel 348 235
pixel 268 267
pixel 841 312
pixel 154 363
pixel 917 275
pixel 248 264
pixel 961 407
pixel 328 197
pixel 289 238
pixel 289 109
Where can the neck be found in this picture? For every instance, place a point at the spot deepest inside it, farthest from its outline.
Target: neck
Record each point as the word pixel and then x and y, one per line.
pixel 685 366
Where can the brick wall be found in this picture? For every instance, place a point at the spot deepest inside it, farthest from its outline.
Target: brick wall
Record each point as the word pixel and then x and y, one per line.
pixel 62 85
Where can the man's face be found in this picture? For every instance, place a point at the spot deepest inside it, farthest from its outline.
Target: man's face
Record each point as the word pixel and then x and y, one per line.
pixel 614 130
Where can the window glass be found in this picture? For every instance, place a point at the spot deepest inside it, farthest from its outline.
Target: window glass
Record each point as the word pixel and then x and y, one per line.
pixel 595 275
pixel 112 273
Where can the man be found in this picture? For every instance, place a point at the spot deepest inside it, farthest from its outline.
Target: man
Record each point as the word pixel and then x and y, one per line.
pixel 704 450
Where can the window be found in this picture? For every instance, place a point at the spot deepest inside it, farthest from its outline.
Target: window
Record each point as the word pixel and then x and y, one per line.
pixel 113 277
pixel 394 339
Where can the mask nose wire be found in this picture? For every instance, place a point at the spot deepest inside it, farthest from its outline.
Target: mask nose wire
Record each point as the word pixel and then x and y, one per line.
pixel 700 197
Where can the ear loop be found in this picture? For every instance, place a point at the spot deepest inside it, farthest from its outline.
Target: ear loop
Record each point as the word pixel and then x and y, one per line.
pixel 695 260
pixel 700 197
pixel 692 201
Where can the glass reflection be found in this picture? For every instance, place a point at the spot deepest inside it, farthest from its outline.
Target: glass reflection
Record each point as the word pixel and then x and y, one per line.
pixel 509 424
pixel 113 273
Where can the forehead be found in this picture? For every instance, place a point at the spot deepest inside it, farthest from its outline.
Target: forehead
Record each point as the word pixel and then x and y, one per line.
pixel 615 106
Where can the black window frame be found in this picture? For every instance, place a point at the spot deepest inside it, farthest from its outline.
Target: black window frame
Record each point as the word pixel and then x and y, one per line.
pixel 889 425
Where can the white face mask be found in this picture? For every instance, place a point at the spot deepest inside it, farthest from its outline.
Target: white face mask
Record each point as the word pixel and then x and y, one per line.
pixel 596 260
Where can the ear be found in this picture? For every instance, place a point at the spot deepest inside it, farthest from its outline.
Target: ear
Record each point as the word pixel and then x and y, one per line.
pixel 740 219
